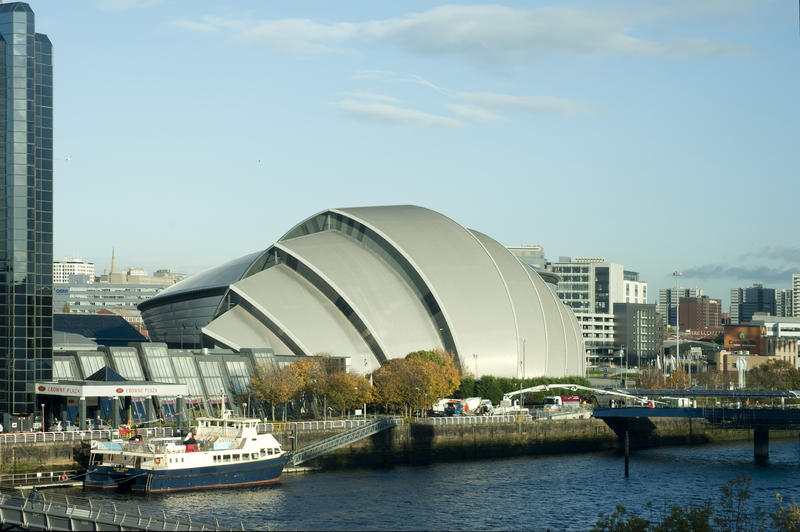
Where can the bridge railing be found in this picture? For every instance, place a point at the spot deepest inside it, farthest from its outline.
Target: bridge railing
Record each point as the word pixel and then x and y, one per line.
pixel 334 424
pixel 478 420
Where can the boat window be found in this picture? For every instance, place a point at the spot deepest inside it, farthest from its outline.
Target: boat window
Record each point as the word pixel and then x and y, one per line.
pixel 269 451
pixel 216 458
pixel 226 458
pixel 236 457
pixel 263 452
pixel 255 456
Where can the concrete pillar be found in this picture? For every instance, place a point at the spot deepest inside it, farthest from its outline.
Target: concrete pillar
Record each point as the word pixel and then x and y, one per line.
pixel 115 412
pixel 82 415
pixel 151 411
pixel 761 444
pixel 179 412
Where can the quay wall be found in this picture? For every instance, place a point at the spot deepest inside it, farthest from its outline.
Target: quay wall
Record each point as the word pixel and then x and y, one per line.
pixel 420 443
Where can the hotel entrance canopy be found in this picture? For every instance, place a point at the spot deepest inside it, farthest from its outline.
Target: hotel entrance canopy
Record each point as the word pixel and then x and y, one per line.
pixel 110 389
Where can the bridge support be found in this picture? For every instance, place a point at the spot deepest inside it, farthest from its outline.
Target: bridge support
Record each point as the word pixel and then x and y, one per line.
pixel 761 444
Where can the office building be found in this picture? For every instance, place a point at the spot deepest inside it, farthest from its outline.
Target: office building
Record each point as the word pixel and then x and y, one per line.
pixel 668 299
pixel 531 254
pixel 26 209
pixel 637 330
pixel 796 294
pixel 376 283
pixel 700 312
pixel 65 270
pixel 747 301
pixel 783 302
pixel 592 285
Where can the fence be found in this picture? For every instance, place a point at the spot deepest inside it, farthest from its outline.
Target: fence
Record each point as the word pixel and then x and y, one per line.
pixel 75 435
pixel 334 424
pixel 478 420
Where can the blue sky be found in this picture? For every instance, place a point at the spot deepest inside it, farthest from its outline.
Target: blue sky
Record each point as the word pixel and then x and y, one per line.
pixel 660 135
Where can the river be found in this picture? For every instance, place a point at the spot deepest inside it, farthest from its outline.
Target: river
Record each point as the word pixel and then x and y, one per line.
pixel 536 493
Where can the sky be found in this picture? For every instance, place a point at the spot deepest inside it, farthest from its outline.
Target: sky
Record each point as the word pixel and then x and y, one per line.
pixel 660 135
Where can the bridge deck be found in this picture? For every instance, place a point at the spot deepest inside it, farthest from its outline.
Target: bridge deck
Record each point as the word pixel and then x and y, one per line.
pixel 739 417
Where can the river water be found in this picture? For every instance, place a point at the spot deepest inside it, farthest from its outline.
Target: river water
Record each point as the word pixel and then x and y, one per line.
pixel 536 493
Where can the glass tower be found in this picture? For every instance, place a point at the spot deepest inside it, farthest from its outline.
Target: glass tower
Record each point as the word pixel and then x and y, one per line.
pixel 26 209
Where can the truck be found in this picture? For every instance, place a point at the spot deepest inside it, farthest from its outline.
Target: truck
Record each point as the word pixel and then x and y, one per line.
pixel 554 402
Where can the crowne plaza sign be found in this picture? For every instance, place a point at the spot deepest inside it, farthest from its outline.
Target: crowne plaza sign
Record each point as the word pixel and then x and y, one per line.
pixel 111 389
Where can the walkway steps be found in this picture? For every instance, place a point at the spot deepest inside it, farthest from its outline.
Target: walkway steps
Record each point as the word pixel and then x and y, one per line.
pixel 342 439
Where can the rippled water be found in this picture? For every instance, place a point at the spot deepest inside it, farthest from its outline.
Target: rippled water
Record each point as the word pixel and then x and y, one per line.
pixel 562 492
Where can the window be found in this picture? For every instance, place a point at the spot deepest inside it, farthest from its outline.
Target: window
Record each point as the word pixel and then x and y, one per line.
pixel 226 458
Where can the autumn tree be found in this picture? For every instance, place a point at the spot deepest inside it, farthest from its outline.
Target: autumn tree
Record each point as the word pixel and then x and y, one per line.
pixel 651 378
pixel 774 375
pixel 678 379
pixel 347 390
pixel 419 379
pixel 274 386
pixel 310 374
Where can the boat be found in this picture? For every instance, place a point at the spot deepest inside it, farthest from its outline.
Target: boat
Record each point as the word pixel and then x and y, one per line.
pixel 219 453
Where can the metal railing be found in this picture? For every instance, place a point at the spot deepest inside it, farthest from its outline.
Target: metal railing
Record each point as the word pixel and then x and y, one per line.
pixel 38 478
pixel 38 511
pixel 344 438
pixel 478 420
pixel 334 424
pixel 76 435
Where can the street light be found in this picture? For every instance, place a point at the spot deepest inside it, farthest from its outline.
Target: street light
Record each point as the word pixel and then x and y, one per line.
pixel 475 356
pixel 43 429
pixel 677 274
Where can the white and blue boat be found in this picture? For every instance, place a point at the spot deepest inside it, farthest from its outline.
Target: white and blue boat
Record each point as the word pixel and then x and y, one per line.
pixel 220 453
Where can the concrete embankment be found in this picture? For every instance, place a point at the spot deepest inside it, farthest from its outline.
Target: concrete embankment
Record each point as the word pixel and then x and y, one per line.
pixel 420 443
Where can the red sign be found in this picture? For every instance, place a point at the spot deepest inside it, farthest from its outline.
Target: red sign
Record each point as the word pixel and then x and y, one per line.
pixel 120 390
pixel 41 388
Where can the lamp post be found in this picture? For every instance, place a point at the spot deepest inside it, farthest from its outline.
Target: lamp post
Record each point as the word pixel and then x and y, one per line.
pixel 475 357
pixel 677 274
pixel 43 429
pixel 244 406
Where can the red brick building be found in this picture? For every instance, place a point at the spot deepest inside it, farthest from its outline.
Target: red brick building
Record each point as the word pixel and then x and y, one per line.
pixel 700 312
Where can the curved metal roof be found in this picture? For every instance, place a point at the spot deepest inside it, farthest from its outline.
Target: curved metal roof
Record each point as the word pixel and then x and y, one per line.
pixel 220 276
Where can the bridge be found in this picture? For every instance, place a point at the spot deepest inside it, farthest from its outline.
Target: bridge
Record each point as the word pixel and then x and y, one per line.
pixel 757 418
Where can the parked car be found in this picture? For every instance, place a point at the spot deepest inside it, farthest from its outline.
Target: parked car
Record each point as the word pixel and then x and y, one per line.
pixel 98 424
pixel 63 426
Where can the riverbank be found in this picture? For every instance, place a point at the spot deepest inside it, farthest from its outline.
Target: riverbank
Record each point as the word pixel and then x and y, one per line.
pixel 424 443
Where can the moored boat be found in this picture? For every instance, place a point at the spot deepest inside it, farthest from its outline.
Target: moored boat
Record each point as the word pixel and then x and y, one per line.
pixel 219 453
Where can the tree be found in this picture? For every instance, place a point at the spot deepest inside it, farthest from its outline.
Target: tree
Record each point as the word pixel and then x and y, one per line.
pixel 678 379
pixel 417 380
pixel 310 374
pixel 652 378
pixel 775 374
pixel 347 390
pixel 274 386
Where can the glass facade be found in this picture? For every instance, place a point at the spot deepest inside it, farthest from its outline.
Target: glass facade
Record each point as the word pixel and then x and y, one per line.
pixel 26 209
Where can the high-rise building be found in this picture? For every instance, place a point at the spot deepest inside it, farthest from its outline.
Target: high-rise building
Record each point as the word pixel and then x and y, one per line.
pixel 637 330
pixel 63 269
pixel 796 294
pixel 700 312
pixel 747 301
pixel 532 254
pixel 668 299
pixel 783 302
pixel 592 288
pixel 26 208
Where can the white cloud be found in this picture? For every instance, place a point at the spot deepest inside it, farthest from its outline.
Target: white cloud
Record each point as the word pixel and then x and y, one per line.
pixel 392 114
pixel 487 34
pixel 393 77
pixel 365 95
pixel 528 104
pixel 475 113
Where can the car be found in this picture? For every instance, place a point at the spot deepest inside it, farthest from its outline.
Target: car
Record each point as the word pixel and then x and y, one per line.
pixel 98 424
pixel 63 426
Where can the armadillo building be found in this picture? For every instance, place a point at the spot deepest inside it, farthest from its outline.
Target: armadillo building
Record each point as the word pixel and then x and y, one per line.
pixel 374 283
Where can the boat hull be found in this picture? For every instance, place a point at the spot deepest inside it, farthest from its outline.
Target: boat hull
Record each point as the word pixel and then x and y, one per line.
pixel 252 473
